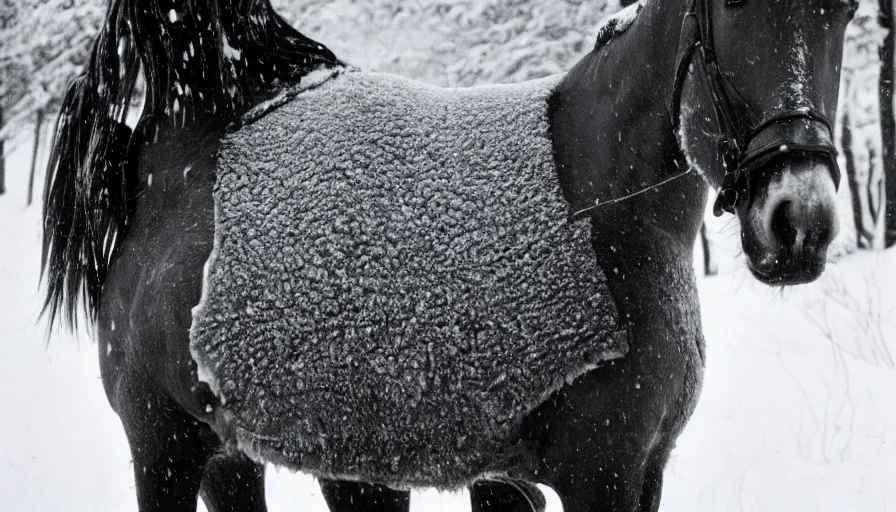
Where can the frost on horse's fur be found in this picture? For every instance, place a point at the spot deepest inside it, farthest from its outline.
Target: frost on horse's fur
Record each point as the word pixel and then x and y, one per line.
pixel 395 284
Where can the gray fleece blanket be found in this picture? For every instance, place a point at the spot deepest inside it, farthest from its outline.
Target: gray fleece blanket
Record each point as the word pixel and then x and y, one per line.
pixel 394 283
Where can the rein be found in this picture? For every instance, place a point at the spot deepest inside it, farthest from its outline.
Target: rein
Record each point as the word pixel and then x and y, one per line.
pixel 744 149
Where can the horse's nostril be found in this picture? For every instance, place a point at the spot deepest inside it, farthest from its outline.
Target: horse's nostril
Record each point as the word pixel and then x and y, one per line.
pixel 782 225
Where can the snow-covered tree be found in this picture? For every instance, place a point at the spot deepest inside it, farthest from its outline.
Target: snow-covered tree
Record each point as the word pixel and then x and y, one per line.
pixel 867 125
pixel 43 45
pixel 454 42
pixel 8 13
pixel 888 117
pixel 2 159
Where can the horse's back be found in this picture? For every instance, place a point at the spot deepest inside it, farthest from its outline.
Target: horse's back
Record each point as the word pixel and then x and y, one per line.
pixel 365 121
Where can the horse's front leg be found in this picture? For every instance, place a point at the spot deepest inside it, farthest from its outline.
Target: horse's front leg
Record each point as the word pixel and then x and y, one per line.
pixel 603 446
pixel 605 439
pixel 652 484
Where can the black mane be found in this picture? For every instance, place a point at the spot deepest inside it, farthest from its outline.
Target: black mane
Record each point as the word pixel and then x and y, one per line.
pixel 202 61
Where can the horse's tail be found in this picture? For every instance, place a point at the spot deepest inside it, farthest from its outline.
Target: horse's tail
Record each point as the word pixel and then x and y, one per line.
pixel 203 62
pixel 89 184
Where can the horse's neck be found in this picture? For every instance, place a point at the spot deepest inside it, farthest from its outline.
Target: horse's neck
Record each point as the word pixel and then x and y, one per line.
pixel 613 132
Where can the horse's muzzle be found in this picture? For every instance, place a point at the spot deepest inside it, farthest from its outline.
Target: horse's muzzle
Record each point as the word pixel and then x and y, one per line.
pixel 791 221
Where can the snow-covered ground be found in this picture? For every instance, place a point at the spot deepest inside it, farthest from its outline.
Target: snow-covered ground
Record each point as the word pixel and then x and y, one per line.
pixel 797 413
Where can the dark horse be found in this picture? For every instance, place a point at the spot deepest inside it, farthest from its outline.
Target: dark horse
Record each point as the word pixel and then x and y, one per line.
pixel 676 97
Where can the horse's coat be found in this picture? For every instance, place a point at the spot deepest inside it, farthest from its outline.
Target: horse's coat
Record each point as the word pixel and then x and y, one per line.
pixel 394 284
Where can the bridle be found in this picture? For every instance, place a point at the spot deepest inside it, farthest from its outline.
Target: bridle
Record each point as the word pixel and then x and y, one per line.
pixel 744 149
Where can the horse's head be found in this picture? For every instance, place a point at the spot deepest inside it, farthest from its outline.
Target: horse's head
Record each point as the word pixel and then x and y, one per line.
pixel 756 95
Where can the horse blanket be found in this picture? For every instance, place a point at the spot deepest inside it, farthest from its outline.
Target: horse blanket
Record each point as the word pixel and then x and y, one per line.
pixel 395 283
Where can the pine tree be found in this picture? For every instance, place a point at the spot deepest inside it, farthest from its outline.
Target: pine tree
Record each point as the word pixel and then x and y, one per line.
pixel 43 46
pixel 2 158
pixel 862 129
pixel 454 42
pixel 7 15
pixel 888 119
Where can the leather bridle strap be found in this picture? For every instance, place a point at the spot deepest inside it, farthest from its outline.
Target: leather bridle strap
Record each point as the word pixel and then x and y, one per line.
pixel 798 130
pixel 743 148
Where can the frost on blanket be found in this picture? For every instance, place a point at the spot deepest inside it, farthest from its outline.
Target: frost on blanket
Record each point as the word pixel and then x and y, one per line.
pixel 394 283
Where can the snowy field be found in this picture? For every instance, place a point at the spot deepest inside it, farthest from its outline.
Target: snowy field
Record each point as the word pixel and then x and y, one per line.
pixel 797 413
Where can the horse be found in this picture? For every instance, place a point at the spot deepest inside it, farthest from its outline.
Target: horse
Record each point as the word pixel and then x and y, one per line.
pixel 676 97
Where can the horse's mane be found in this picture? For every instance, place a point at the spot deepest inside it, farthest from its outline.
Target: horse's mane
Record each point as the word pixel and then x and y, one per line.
pixel 206 63
pixel 614 25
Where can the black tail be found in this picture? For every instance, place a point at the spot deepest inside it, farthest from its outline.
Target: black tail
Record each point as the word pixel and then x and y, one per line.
pixel 86 196
pixel 203 61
